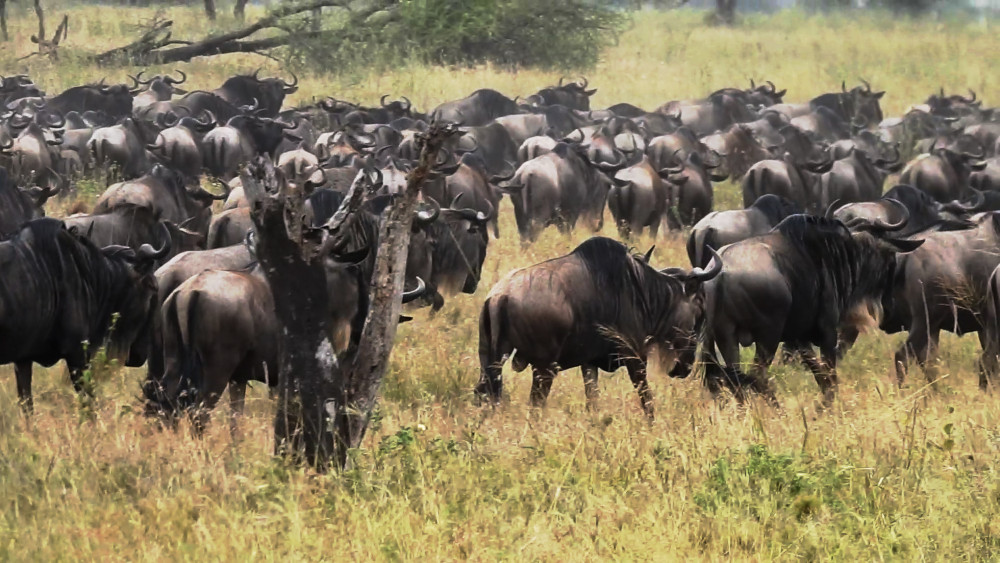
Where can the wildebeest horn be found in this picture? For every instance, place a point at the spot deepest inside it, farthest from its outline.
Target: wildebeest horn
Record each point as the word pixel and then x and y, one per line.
pixel 54 120
pixel 255 73
pixel 843 86
pixel 147 253
pixel 290 88
pixel 772 88
pixel 6 146
pixel 960 207
pixel 974 156
pixel 414 294
pixel 585 82
pixel 19 121
pixel 210 119
pixel 507 174
pixel 649 253
pixel 699 274
pixel 286 125
pixel 831 208
pixel 868 87
pixel 426 217
pixel 408 104
pixel 381 101
pixel 612 166
pixel 175 81
pixel 561 79
pixel 860 223
pixel 753 85
pixel 972 99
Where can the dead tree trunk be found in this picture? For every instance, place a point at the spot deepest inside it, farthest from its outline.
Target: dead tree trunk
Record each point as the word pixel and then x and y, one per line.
pixel 151 47
pixel 210 9
pixel 325 401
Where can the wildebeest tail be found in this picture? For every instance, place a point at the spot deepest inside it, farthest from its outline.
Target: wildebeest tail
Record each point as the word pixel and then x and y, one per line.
pixel 217 232
pixel 179 318
pixel 492 322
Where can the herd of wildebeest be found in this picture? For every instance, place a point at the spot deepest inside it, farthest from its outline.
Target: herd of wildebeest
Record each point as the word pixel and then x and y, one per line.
pixel 819 252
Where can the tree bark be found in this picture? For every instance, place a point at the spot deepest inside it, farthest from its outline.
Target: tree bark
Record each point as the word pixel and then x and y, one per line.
pixel 210 9
pixel 324 402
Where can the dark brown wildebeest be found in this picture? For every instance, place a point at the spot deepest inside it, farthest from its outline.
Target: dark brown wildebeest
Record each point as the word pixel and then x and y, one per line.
pixel 719 228
pixel 943 173
pixel 795 285
pixel 478 108
pixel 598 307
pixel 559 188
pixel 59 294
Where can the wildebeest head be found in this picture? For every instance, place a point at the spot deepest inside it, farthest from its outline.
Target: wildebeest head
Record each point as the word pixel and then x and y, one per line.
pixel 131 333
pixel 765 94
pixel 677 334
pixel 573 95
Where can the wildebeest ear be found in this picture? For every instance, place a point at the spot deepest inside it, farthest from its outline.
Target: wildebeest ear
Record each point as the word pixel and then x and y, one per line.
pixel 903 246
pixel 590 92
pixel 878 95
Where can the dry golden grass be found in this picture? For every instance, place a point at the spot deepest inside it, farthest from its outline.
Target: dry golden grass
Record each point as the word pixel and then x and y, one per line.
pixel 886 474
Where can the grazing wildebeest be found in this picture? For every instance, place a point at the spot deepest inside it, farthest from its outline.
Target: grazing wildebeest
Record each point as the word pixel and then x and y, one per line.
pixel 719 228
pixel 598 307
pixel 795 285
pixel 264 93
pixel 59 294
pixel 133 227
pixel 573 95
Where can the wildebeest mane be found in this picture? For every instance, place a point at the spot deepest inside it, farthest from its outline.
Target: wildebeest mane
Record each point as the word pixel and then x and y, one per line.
pixel 775 208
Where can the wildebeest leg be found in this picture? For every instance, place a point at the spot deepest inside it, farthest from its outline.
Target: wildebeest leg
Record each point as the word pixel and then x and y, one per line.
pixel 541 384
pixel 824 370
pixel 848 336
pixel 23 372
pixel 989 362
pixel 237 400
pixel 759 380
pixel 918 345
pixel 435 297
pixel 590 385
pixel 654 227
pixel 637 373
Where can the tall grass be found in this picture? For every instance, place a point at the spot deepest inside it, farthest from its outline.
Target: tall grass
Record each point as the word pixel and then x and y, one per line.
pixel 885 474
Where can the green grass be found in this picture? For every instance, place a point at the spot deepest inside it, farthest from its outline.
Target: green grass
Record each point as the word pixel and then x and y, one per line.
pixel 885 474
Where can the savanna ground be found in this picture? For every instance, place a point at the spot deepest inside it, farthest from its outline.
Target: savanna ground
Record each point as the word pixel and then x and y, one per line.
pixel 885 474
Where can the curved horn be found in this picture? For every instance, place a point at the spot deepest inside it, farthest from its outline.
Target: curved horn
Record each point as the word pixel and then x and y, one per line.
pixel 880 225
pixel 54 120
pixel 255 73
pixel 381 101
pixel 174 81
pixel 585 82
pixel 426 217
pixel 148 253
pixel 561 79
pixel 289 88
pixel 703 275
pixel 408 104
pixel 961 207
pixel 414 294
pixel 972 99
pixel 831 208
pixel 772 88
pixel 868 87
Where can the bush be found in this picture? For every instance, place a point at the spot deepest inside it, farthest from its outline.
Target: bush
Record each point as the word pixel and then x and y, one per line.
pixel 550 34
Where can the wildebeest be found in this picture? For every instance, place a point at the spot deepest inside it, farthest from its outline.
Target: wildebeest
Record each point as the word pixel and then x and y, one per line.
pixel 558 188
pixel 598 307
pixel 60 295
pixel 220 330
pixel 478 108
pixel 122 145
pixel 854 178
pixel 989 335
pixel 795 285
pixel 943 285
pixel 573 95
pixel 943 173
pixel 788 177
pixel 719 228
pixel 638 199
pixel 250 90
pixel 133 227
pixel 922 212
pixel 114 100
pixel 19 206
pixel 162 191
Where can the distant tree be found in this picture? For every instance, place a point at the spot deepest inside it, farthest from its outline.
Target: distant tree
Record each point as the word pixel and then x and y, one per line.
pixel 210 9
pixel 725 11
